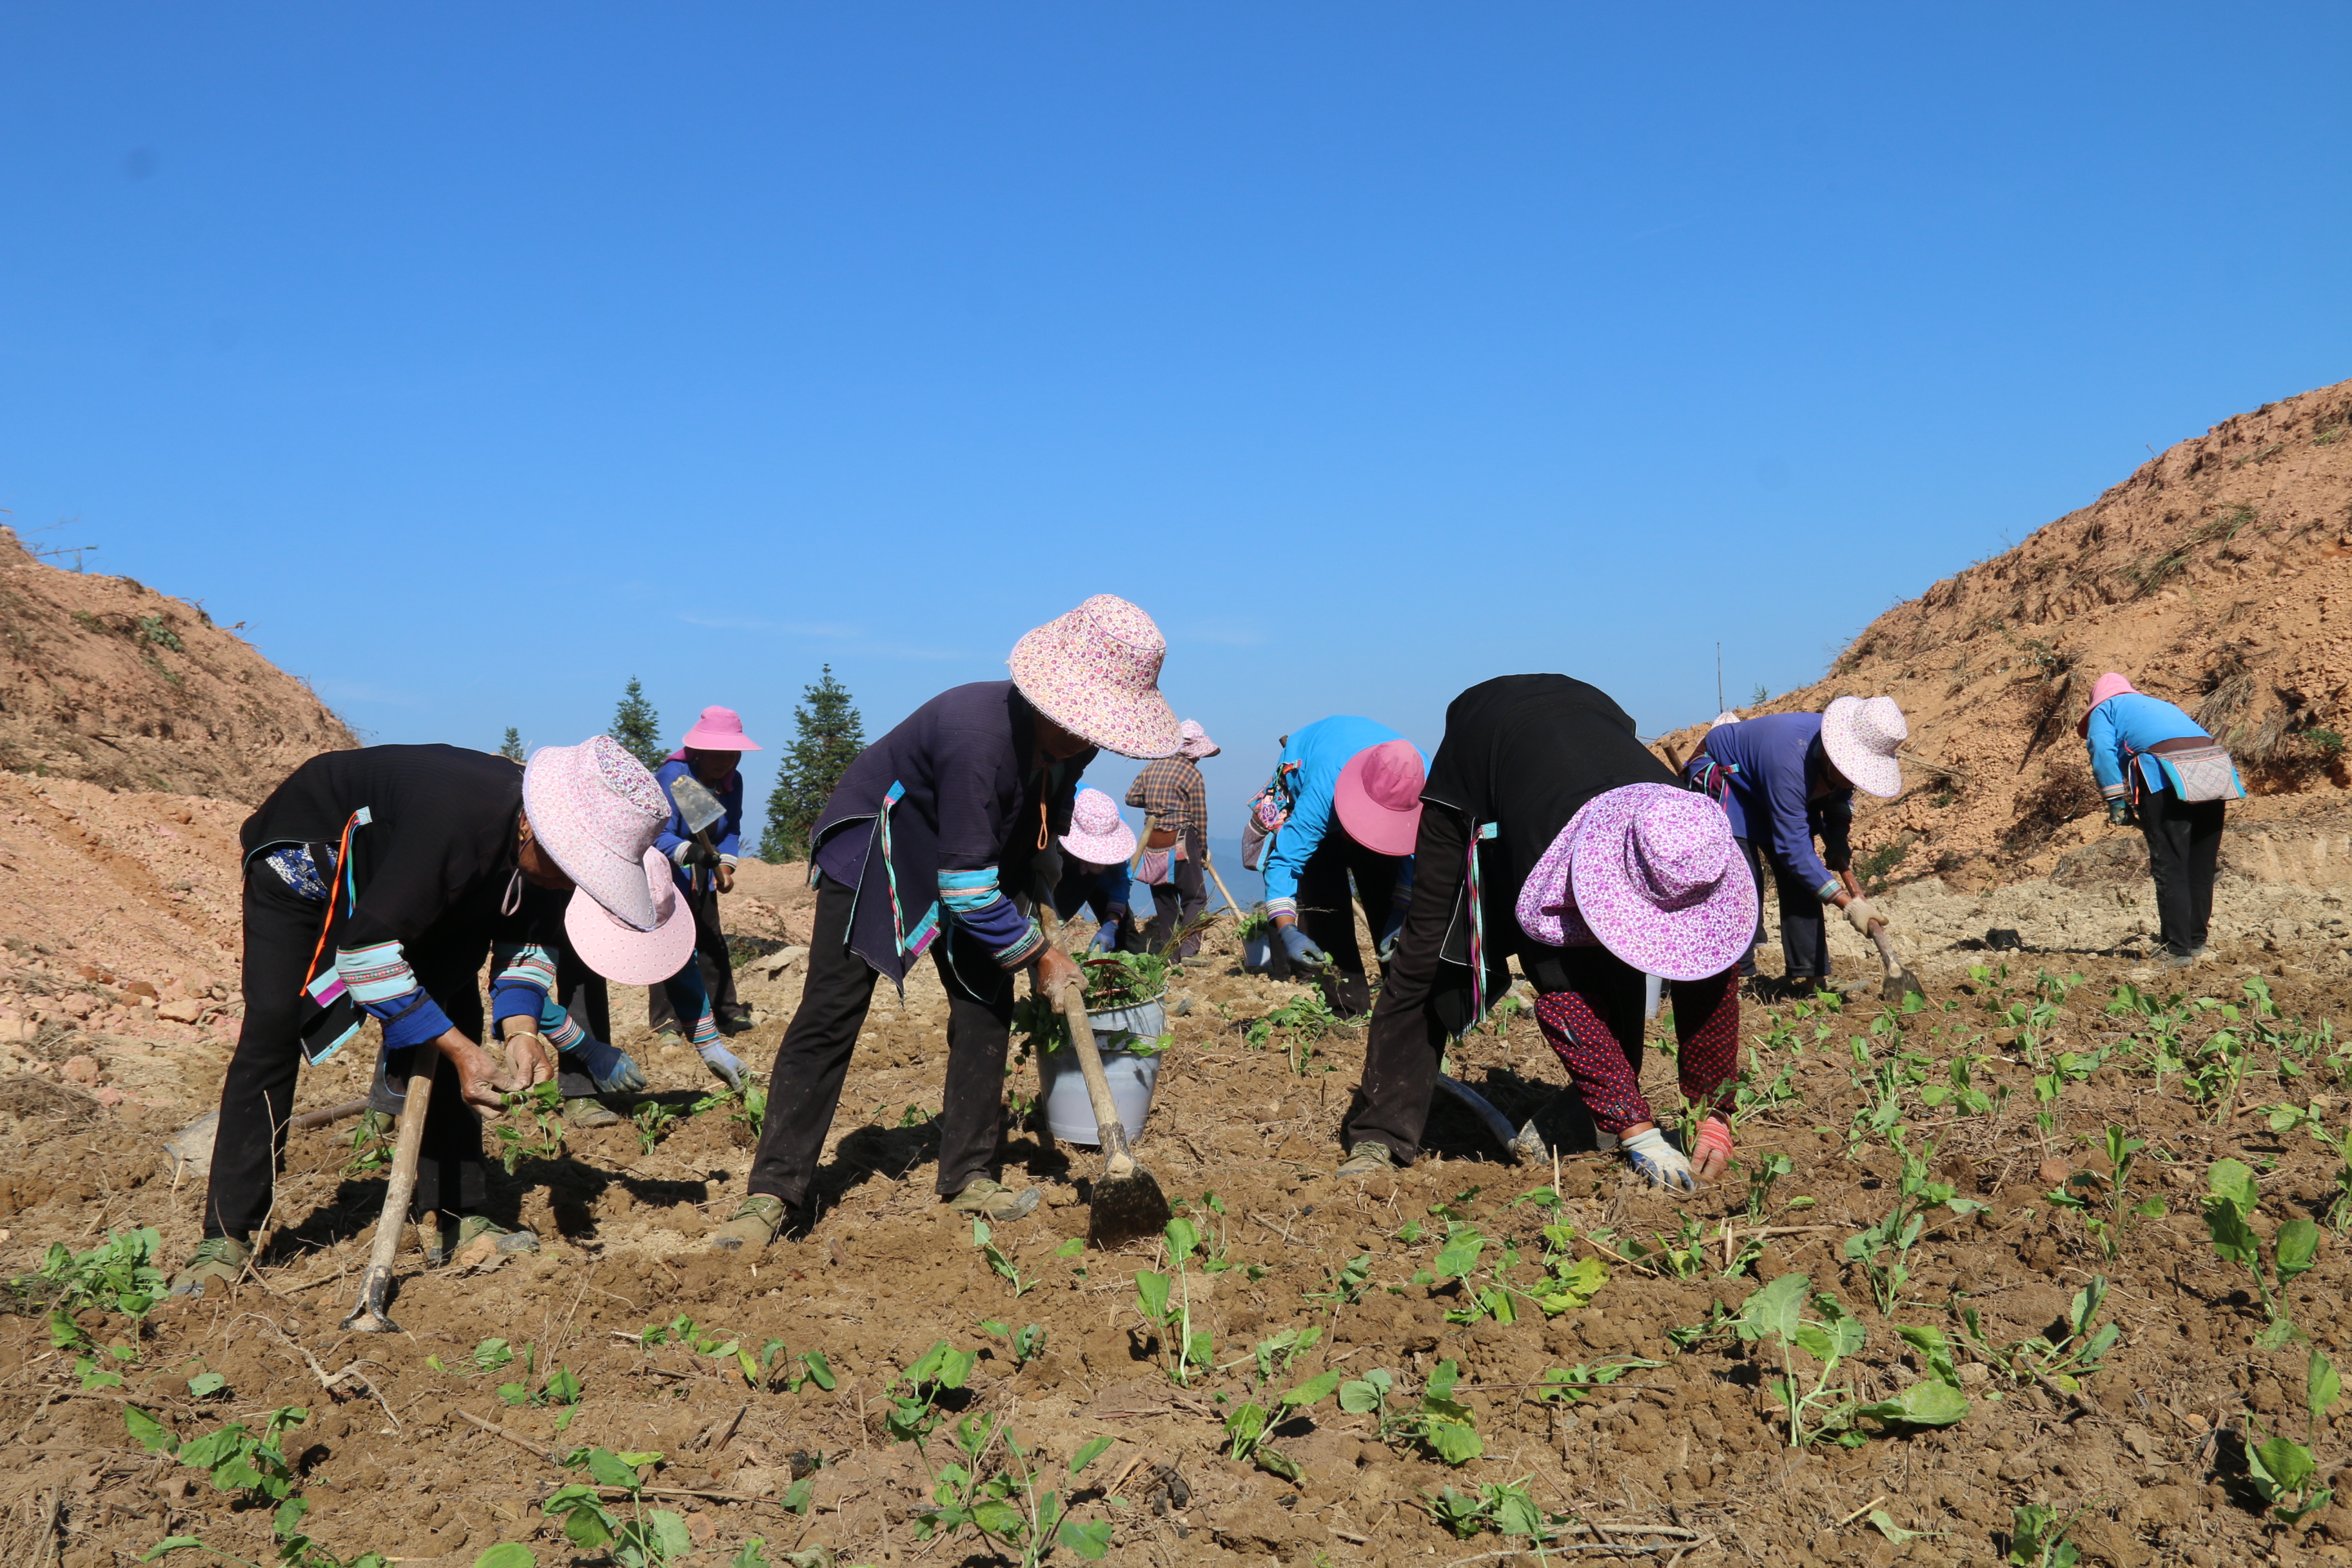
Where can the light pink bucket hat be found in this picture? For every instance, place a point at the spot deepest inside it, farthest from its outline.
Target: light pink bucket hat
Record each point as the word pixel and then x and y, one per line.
pixel 1195 743
pixel 1098 834
pixel 597 810
pixel 2106 686
pixel 719 729
pixel 1860 734
pixel 1095 673
pixel 1378 797
pixel 1651 871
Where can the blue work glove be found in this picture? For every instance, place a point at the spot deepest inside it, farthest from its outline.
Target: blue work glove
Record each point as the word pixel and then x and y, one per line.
pixel 1386 946
pixel 723 1062
pixel 1300 946
pixel 612 1069
pixel 1107 939
pixel 1659 1162
pixel 2120 812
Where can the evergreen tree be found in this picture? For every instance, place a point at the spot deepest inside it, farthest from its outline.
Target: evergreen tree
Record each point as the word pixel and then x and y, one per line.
pixel 637 727
pixel 511 747
pixel 831 734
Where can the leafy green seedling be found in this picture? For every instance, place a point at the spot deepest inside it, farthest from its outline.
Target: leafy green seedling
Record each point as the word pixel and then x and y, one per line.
pixel 2229 1204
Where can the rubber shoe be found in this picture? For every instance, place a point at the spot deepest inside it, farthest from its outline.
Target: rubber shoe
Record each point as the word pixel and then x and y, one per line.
pixel 449 1241
pixel 218 1260
pixel 988 1199
pixel 590 1111
pixel 1368 1159
pixel 2179 961
pixel 754 1225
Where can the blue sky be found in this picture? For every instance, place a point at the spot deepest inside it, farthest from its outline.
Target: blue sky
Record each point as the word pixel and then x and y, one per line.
pixel 479 358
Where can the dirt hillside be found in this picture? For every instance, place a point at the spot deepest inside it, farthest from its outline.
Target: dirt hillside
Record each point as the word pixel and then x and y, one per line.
pixel 106 680
pixel 2219 575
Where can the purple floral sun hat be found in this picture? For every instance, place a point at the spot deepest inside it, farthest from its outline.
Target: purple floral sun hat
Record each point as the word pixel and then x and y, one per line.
pixel 1651 872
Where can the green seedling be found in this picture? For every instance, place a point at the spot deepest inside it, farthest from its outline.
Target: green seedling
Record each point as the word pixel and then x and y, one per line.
pixel 1882 1252
pixel 773 1368
pixel 2287 1117
pixel 1344 1286
pixel 1028 1343
pixel 1000 1503
pixel 1211 1231
pixel 1277 1354
pixel 1761 1175
pixel 1507 1509
pixel 654 1538
pixel 915 1393
pixel 542 1138
pixel 2037 1538
pixel 1447 1429
pixel 2081 1194
pixel 2230 1202
pixel 1826 1411
pixel 2284 1470
pixel 985 1239
pixel 2082 1350
pixel 369 1144
pixel 1568 1385
pixel 1165 1304
pixel 654 1121
pixel 1569 1282
pixel 122 1275
pixel 1961 1092
pixel 297 1550
pixel 244 1466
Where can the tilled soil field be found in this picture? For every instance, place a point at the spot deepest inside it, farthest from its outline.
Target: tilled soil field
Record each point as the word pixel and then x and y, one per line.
pixel 1613 1384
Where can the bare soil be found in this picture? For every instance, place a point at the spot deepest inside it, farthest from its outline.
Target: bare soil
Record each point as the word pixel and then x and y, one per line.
pixel 2151 1451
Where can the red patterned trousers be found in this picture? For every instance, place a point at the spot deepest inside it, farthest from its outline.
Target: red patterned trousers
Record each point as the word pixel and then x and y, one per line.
pixel 1595 1025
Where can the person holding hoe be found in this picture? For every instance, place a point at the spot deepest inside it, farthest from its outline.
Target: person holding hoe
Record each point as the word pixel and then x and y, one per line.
pixel 1549 832
pixel 1784 779
pixel 939 839
pixel 1344 804
pixel 376 883
pixel 2156 766
pixel 704 868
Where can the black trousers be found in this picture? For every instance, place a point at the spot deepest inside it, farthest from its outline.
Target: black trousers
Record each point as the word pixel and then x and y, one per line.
pixel 1804 933
pixel 1408 1036
pixel 258 1094
pixel 1178 904
pixel 2184 850
pixel 1330 924
pixel 583 993
pixel 718 975
pixel 805 1090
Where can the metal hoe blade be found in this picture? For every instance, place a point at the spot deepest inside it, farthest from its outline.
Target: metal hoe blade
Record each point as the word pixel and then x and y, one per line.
pixel 696 803
pixel 1900 982
pixel 1127 1203
pixel 1522 1145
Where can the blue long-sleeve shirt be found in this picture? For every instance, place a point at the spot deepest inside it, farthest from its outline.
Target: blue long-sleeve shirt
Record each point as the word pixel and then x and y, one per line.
pixel 2136 720
pixel 1769 798
pixel 1320 750
pixel 727 837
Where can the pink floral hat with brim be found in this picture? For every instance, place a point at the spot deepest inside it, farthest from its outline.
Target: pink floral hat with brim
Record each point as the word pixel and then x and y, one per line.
pixel 1095 673
pixel 1098 834
pixel 596 811
pixel 1378 797
pixel 719 729
pixel 2106 686
pixel 1652 873
pixel 1195 743
pixel 1860 734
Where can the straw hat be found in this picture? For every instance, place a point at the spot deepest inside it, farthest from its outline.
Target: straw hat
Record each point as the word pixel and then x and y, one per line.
pixel 1098 834
pixel 1378 797
pixel 718 730
pixel 1860 734
pixel 1195 743
pixel 2106 686
pixel 596 811
pixel 1095 673
pixel 1651 872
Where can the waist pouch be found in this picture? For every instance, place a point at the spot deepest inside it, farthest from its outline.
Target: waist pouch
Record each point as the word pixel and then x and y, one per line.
pixel 2201 773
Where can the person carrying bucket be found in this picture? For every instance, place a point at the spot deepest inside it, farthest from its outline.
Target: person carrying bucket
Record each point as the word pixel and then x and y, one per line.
pixel 376 882
pixel 1176 840
pixel 704 868
pixel 1784 779
pixel 1095 851
pixel 2156 766
pixel 1550 833
pixel 935 840
pixel 1346 801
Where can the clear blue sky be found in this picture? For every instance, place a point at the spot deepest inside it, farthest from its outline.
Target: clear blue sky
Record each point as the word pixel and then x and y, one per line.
pixel 478 357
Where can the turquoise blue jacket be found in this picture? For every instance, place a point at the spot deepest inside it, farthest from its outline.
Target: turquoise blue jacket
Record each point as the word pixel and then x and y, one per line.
pixel 1320 750
pixel 2137 721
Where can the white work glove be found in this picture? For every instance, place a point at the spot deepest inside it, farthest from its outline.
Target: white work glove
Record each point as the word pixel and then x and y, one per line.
pixel 1859 914
pixel 1659 1162
pixel 724 1063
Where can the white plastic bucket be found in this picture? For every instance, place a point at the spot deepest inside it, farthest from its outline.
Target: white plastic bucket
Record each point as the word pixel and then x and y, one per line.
pixel 1069 1113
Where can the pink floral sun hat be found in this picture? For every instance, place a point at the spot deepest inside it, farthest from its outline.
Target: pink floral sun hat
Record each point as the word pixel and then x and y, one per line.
pixel 596 811
pixel 1860 734
pixel 1651 872
pixel 1095 673
pixel 1195 743
pixel 1098 834
pixel 2106 686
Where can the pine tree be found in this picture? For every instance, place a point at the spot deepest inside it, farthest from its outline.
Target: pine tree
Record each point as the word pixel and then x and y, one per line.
pixel 511 747
pixel 637 727
pixel 831 734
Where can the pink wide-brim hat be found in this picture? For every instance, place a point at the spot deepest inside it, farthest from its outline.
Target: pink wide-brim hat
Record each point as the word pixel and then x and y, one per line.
pixel 1860 734
pixel 719 729
pixel 1652 871
pixel 1095 673
pixel 1098 834
pixel 619 951
pixel 1195 743
pixel 1378 797
pixel 596 811
pixel 2106 686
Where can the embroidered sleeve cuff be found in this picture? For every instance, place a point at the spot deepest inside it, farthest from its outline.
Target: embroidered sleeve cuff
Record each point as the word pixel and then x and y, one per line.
pixel 1283 907
pixel 2113 791
pixel 1829 889
pixel 1031 942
